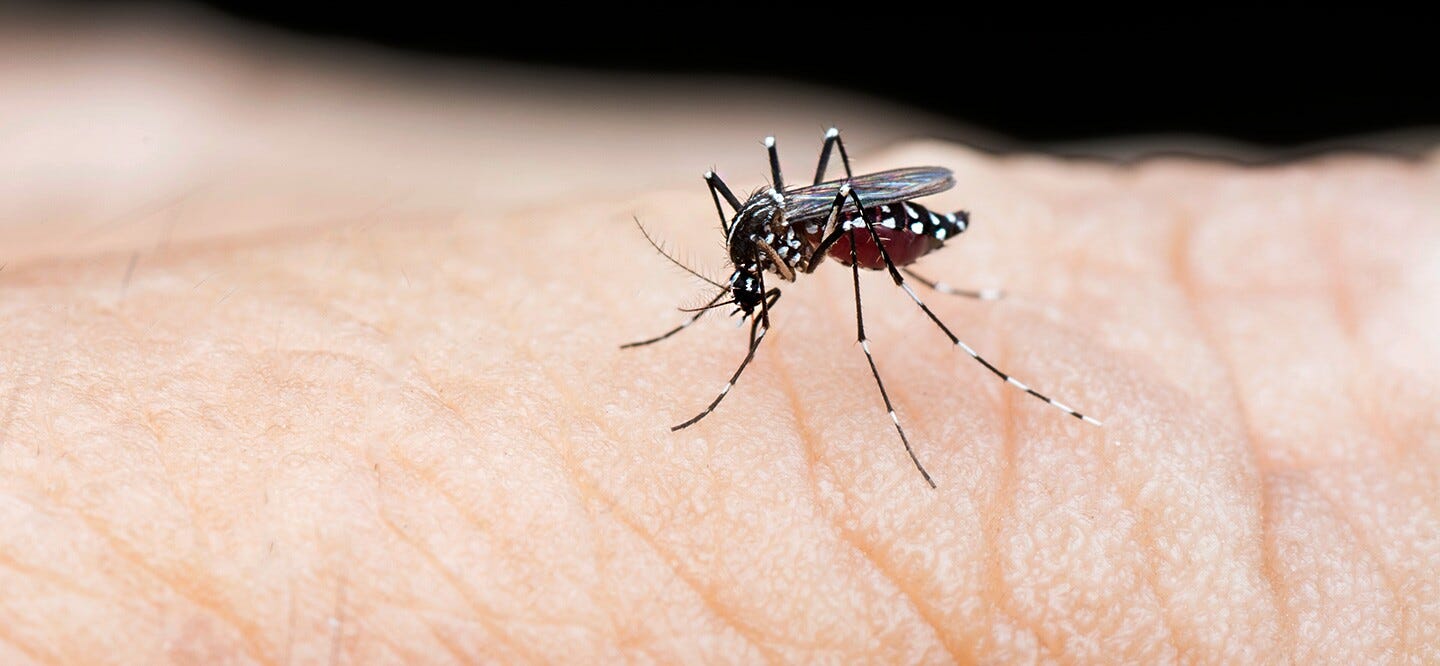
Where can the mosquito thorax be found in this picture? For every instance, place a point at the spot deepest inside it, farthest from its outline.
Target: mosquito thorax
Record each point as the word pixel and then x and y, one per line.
pixel 761 237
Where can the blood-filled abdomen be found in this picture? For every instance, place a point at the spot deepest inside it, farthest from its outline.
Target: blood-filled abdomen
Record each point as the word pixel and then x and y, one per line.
pixel 908 230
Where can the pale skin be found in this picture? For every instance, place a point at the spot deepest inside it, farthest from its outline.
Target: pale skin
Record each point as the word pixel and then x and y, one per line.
pixel 262 416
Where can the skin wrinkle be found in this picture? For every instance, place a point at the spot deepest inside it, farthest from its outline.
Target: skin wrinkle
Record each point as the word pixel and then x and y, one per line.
pixel 148 421
pixel 408 656
pixel 1010 443
pixel 588 491
pixel 35 652
pixel 485 527
pixel 461 657
pixel 591 491
pixel 51 577
pixel 1184 276
pixel 482 614
pixel 386 338
pixel 428 478
pixel 809 443
pixel 424 613
pixel 1146 536
pixel 1361 541
pixel 947 641
pixel 1326 246
pixel 248 632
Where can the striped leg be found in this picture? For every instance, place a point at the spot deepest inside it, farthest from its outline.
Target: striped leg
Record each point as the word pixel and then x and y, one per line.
pixel 829 234
pixel 983 294
pixel 832 139
pixel 895 275
pixel 865 345
pixel 717 190
pixel 779 182
pixel 758 324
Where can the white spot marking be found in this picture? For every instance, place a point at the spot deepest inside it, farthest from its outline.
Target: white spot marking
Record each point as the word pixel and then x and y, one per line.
pixel 910 210
pixel 1062 405
pixel 865 344
pixel 1018 384
pixel 726 388
pixel 967 348
pixel 709 175
pixel 832 133
pixel 950 216
pixel 884 209
pixel 917 228
pixel 991 294
pixel 894 418
pixel 940 233
pixel 1089 420
pixel 845 189
pixel 812 228
pixel 769 142
pixel 888 223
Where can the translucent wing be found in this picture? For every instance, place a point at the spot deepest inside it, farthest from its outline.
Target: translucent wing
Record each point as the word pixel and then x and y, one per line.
pixel 875 189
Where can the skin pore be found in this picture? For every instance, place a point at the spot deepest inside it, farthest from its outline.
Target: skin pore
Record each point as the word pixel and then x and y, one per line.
pixel 304 365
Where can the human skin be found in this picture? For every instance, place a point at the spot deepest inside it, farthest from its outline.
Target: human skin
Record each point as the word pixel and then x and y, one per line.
pixel 368 409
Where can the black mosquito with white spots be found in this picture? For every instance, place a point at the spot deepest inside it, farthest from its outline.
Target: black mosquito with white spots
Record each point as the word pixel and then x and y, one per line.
pixel 868 221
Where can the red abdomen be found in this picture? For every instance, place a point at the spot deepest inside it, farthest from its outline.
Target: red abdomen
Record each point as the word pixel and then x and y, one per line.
pixel 908 230
pixel 903 247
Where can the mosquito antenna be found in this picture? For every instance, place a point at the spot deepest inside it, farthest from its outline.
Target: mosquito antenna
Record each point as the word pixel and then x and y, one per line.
pixel 698 314
pixel 711 306
pixel 673 260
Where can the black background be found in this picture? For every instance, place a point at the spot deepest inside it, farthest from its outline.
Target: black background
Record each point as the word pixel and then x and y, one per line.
pixel 1278 76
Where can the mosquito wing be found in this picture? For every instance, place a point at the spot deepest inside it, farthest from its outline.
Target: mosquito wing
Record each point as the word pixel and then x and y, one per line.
pixel 875 189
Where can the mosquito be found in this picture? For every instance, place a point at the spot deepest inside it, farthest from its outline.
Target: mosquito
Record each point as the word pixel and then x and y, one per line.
pixel 869 221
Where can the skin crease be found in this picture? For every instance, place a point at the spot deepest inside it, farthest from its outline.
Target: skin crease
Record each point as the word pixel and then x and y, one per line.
pixel 259 407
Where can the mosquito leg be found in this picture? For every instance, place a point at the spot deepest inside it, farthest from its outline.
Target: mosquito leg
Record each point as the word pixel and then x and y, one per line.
pixel 865 345
pixel 764 303
pixel 755 325
pixel 776 180
pixel 895 275
pixel 832 139
pixel 983 294
pixel 830 234
pixel 698 314
pixel 717 190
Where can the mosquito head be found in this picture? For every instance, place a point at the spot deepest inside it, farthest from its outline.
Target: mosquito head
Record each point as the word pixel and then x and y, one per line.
pixel 745 288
